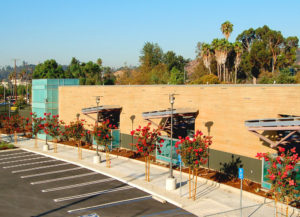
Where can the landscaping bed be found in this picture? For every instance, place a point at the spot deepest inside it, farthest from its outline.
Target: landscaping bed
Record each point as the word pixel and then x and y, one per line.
pixel 5 146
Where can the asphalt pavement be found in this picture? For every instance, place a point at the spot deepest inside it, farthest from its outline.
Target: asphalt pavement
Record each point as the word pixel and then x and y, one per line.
pixel 35 185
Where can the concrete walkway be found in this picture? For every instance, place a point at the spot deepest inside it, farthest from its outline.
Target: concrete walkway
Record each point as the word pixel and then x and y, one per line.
pixel 213 199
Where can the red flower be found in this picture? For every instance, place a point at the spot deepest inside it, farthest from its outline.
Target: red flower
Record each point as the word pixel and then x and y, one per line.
pixel 132 132
pixel 272 177
pixel 259 155
pixel 281 149
pixel 196 162
pixel 31 113
pixel 291 182
pixel 293 150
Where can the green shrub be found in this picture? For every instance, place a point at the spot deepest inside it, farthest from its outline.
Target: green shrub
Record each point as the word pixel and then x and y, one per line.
pixel 207 79
pixel 5 145
pixel 285 77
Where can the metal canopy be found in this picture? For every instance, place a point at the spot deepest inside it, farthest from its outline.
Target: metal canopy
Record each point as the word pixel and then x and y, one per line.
pixel 290 124
pixel 167 113
pixel 182 118
pixel 99 109
pixel 111 112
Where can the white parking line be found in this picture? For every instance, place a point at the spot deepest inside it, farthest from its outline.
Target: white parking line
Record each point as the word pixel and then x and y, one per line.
pixel 63 178
pixel 19 153
pixel 22 160
pixel 52 172
pixel 78 185
pixel 92 193
pixel 29 154
pixel 110 204
pixel 37 168
pixel 20 165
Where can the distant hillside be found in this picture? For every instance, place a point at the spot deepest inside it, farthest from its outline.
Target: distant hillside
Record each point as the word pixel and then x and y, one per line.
pixel 190 67
pixel 298 57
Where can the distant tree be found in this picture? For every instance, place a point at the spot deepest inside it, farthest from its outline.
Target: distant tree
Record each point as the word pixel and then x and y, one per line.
pixel 152 54
pixel 221 49
pixel 172 60
pixel 227 29
pixel 274 41
pixel 206 53
pixel 176 77
pixel 238 54
pixel 246 38
pixel 48 69
pixel 159 74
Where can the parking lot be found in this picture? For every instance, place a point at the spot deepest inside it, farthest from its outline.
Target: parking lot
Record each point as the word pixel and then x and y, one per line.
pixel 37 185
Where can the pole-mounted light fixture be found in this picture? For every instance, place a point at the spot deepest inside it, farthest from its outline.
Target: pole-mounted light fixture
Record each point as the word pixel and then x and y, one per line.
pixel 171 100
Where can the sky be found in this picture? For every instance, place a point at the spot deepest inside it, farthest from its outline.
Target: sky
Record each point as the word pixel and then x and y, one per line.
pixel 116 30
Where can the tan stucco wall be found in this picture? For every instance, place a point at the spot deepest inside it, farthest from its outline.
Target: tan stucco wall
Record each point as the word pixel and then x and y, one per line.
pixel 226 106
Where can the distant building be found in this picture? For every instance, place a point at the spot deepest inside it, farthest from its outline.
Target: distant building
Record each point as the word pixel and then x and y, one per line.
pixel 8 83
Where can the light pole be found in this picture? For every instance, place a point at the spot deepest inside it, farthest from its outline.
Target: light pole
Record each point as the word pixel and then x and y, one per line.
pixel 97 158
pixel 171 181
pixel 171 99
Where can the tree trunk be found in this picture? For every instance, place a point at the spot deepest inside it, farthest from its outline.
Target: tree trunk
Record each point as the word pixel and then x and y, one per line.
pixel 189 182
pixel 273 64
pixel 107 157
pixel 195 184
pixel 235 74
pixel 79 150
pixel 16 138
pixel 224 73
pixel 35 142
pixel 287 207
pixel 55 145
pixel 254 79
pixel 146 170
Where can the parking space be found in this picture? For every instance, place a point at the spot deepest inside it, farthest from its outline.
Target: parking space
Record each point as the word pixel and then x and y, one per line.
pixel 36 185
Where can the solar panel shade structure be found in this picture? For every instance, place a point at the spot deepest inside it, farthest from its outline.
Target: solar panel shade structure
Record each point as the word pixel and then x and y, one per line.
pixel 291 125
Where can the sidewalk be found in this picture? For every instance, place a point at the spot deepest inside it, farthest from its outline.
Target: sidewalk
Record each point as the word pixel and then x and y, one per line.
pixel 213 199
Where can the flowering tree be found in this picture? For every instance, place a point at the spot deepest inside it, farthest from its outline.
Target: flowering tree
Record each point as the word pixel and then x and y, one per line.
pixel 282 174
pixel 52 127
pixel 146 143
pixel 102 135
pixel 194 153
pixel 37 125
pixel 77 132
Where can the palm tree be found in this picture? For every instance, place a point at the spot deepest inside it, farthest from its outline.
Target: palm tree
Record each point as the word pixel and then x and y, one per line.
pixel 227 29
pixel 238 48
pixel 221 48
pixel 206 53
